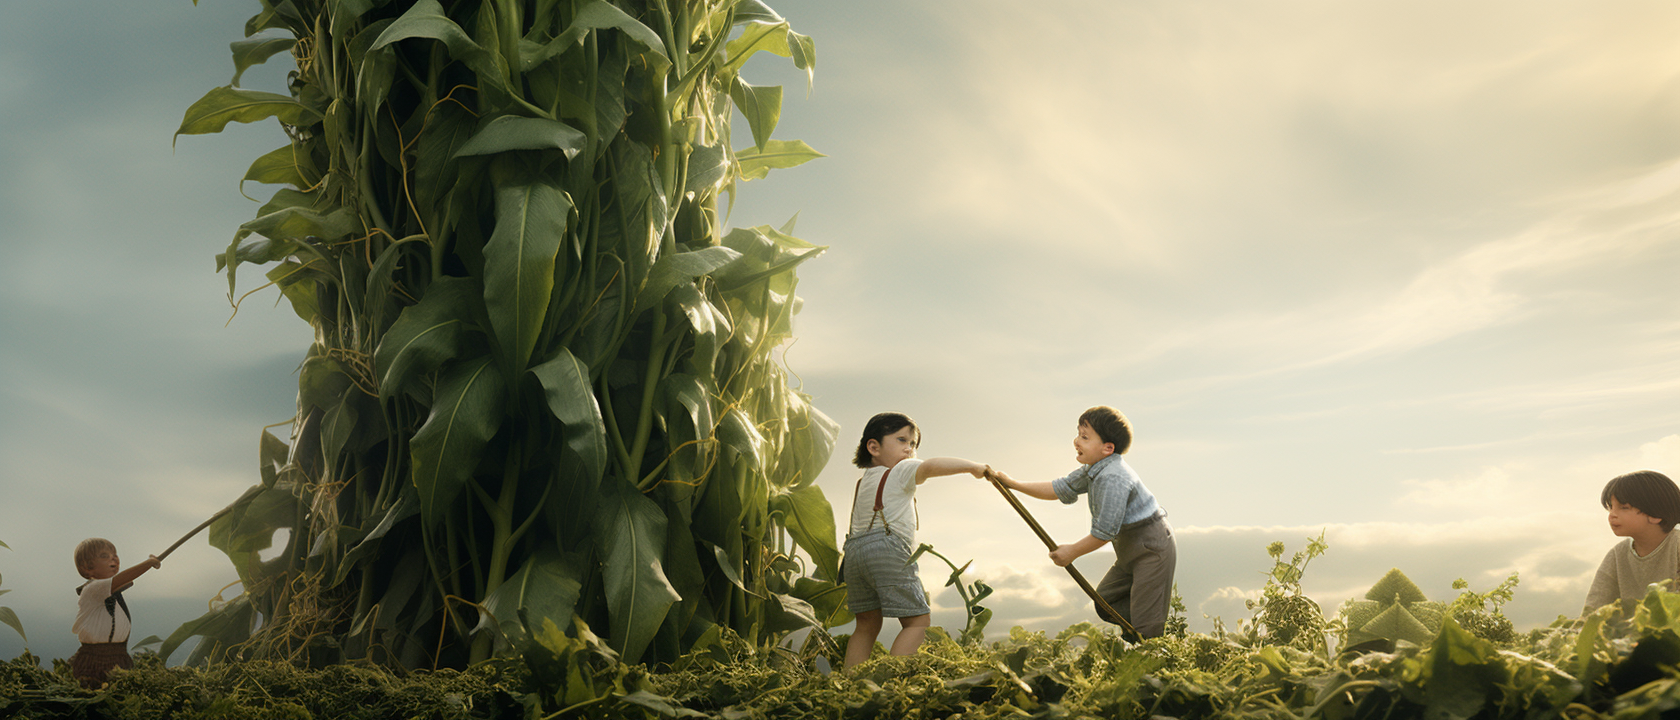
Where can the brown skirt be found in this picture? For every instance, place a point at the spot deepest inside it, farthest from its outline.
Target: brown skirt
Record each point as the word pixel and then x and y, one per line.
pixel 94 661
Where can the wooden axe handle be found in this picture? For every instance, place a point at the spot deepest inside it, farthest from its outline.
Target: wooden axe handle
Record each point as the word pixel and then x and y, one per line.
pixel 1038 529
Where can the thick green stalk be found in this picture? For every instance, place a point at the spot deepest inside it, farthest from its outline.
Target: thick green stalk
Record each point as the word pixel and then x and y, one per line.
pixel 650 390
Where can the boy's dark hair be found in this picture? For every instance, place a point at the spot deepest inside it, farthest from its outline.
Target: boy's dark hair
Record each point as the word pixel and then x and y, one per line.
pixel 1649 492
pixel 89 549
pixel 1110 426
pixel 879 427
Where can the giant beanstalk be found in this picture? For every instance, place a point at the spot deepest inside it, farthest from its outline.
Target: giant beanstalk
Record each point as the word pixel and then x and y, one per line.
pixel 542 385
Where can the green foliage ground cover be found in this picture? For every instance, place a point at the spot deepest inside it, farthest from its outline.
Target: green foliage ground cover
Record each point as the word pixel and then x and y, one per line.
pixel 1083 671
pixel 1287 660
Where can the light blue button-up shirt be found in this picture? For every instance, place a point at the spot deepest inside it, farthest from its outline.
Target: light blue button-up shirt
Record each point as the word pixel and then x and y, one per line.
pixel 1118 497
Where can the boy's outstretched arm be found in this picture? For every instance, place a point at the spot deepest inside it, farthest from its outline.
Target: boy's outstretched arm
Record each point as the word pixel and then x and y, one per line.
pixel 127 576
pixel 941 466
pixel 1040 490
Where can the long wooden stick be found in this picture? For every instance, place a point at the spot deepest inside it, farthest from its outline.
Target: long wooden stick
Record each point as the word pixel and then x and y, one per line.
pixel 1015 502
pixel 196 530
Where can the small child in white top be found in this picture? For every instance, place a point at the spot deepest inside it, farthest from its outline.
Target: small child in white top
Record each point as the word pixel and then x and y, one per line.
pixel 880 579
pixel 1644 507
pixel 102 620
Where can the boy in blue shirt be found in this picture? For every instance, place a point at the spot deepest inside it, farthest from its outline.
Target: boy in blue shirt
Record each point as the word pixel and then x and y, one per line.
pixel 1124 514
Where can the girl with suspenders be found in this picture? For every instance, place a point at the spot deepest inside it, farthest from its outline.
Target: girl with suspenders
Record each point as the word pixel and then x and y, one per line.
pixel 880 579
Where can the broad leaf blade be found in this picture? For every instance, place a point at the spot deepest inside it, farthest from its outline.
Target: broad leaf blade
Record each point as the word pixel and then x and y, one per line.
pixel 519 265
pixel 11 618
pixel 761 106
pixel 466 413
pixel 511 132
pixel 223 105
pixel 810 519
pixel 777 154
pixel 673 269
pixel 565 381
pixel 425 335
pixel 255 51
pixel 278 167
pixel 546 587
pixel 632 530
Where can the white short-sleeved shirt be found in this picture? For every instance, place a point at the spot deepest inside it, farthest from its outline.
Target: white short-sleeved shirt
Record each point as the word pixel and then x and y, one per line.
pixel 95 621
pixel 897 500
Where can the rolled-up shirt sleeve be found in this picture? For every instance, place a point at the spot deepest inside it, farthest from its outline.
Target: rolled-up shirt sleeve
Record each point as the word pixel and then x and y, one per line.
pixel 1069 488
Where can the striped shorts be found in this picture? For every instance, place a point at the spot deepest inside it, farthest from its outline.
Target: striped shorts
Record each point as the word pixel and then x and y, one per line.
pixel 880 576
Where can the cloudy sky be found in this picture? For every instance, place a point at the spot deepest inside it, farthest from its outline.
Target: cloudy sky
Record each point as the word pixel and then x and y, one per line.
pixel 1402 273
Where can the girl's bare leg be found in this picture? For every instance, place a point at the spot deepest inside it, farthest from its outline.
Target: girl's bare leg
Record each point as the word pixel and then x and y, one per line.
pixel 863 637
pixel 911 636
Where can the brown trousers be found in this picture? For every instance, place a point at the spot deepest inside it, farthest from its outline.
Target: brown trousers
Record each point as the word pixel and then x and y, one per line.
pixel 94 661
pixel 1140 584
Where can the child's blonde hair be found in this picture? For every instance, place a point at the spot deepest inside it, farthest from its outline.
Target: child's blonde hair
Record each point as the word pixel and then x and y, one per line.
pixel 89 549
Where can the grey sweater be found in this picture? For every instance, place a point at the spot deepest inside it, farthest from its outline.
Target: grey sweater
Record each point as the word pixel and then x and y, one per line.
pixel 1624 575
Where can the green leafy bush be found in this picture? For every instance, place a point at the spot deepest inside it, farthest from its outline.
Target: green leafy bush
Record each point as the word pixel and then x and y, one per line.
pixel 1395 609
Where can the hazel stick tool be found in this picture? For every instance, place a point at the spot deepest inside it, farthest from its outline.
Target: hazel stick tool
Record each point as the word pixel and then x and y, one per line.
pixel 250 493
pixel 1085 585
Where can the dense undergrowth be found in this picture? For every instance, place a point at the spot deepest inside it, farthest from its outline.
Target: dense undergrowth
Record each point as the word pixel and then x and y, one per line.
pixel 1392 654
pixel 1084 671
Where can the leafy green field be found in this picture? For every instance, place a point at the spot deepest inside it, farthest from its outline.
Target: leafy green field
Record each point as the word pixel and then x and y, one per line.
pixel 1393 654
pixel 1082 672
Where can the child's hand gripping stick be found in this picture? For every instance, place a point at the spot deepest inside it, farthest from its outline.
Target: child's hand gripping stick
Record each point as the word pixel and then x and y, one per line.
pixel 1085 585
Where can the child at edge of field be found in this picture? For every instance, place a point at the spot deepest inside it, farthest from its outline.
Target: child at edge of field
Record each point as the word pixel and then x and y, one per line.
pixel 102 619
pixel 881 581
pixel 1124 514
pixel 1644 507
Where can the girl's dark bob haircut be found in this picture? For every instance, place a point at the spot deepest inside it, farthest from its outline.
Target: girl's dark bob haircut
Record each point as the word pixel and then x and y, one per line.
pixel 878 428
pixel 1649 492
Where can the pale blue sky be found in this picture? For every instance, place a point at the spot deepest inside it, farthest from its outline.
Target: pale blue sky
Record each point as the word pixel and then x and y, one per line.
pixel 1402 271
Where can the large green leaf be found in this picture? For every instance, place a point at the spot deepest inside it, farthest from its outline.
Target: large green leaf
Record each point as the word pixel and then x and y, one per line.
pixel 278 167
pixel 249 527
pixel 594 15
pixel 756 38
pixel 375 69
pixel 776 154
pixel 221 628
pixel 425 335
pixel 447 128
pixel 466 413
pixel 827 599
pixel 566 388
pixel 673 269
pixel 810 441
pixel 761 106
pixel 11 618
pixel 519 265
pixel 546 587
pixel 426 19
pixel 255 51
pixel 631 529
pixel 810 519
pixel 511 132
pixel 298 284
pixel 297 222
pixel 229 104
